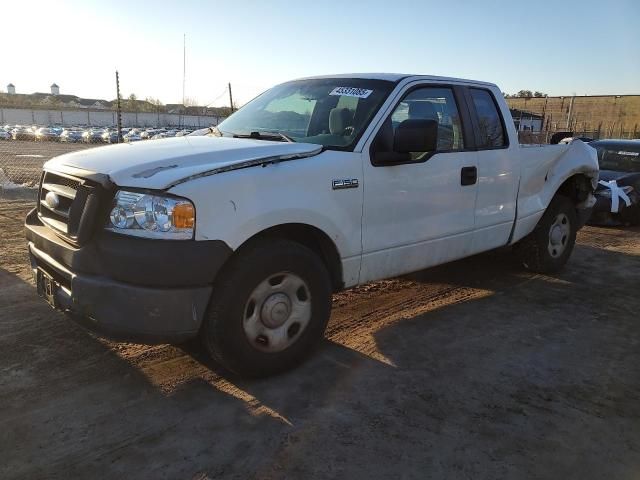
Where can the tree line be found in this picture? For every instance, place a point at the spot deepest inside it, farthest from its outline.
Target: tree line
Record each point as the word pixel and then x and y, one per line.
pixel 128 104
pixel 525 94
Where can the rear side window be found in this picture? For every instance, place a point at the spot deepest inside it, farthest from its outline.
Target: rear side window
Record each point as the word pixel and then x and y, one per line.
pixel 490 124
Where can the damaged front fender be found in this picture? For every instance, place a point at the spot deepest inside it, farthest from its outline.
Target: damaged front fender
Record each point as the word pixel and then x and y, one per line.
pixel 544 170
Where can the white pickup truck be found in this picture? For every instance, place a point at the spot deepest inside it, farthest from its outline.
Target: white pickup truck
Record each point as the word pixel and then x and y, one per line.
pixel 242 235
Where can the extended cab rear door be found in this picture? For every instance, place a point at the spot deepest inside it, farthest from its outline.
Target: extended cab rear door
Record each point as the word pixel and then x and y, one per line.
pixel 498 167
pixel 421 212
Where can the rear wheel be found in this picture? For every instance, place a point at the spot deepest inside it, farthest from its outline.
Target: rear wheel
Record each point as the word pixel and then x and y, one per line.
pixel 549 246
pixel 269 308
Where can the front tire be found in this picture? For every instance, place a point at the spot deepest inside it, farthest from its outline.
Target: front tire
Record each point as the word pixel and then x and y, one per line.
pixel 549 246
pixel 269 308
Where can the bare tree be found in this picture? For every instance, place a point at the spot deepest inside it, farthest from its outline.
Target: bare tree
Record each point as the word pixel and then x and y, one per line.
pixel 154 101
pixel 190 102
pixel 131 103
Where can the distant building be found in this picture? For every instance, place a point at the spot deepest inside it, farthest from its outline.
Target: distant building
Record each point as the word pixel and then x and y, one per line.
pixel 526 121
pixel 55 89
pixel 11 89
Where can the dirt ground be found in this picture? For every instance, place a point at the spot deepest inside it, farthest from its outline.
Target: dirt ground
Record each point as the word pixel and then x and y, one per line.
pixel 472 370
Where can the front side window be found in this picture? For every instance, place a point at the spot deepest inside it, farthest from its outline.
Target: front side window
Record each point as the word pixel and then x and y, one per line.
pixel 433 103
pixel 333 112
pixel 489 120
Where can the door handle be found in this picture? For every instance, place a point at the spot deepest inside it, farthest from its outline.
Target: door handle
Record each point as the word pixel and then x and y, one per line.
pixel 468 175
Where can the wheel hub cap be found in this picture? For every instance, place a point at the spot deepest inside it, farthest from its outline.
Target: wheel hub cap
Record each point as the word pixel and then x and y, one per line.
pixel 559 235
pixel 556 235
pixel 276 310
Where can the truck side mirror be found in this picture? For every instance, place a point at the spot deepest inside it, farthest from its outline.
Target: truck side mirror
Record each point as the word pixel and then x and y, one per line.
pixel 394 148
pixel 416 135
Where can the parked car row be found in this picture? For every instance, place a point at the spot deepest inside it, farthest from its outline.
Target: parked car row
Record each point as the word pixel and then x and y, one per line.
pixel 85 134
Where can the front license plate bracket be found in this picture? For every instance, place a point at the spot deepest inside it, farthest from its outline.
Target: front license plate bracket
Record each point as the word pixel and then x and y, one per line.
pixel 47 287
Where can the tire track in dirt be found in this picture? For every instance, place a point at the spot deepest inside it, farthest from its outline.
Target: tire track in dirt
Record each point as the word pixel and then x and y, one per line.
pixel 353 325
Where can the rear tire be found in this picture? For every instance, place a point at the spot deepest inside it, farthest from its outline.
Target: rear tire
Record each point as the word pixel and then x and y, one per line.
pixel 549 246
pixel 269 308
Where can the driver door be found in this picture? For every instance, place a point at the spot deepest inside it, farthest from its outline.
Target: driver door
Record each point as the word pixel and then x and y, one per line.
pixel 420 213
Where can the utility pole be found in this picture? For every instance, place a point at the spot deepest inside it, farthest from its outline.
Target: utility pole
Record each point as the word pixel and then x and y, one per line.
pixel 184 63
pixel 570 111
pixel 119 115
pixel 230 98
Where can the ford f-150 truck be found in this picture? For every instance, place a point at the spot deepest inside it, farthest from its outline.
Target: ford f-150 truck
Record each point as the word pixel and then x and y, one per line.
pixel 241 236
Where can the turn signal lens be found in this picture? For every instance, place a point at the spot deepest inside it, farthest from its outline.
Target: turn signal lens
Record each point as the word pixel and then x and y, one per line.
pixel 183 215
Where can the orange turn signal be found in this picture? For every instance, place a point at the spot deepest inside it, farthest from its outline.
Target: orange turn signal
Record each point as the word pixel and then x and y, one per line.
pixel 183 215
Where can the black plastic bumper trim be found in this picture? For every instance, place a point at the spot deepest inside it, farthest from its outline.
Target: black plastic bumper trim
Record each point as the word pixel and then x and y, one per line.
pixel 124 311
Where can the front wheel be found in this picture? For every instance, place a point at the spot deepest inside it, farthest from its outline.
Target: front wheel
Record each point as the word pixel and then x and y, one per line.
pixel 549 246
pixel 269 308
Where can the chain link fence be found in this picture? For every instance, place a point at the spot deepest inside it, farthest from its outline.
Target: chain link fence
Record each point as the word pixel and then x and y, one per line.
pixel 25 149
pixel 543 137
pixel 21 161
pixel 607 116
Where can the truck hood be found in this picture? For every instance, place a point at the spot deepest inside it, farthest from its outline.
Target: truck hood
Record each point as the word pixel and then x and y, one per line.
pixel 160 164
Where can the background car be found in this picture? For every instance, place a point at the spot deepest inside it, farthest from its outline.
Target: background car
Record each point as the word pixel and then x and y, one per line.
pixel 132 136
pixel 23 133
pixel 183 132
pixel 44 134
pixel 110 136
pixel 4 134
pixel 71 135
pixel 167 134
pixel 150 133
pixel 619 161
pixel 92 135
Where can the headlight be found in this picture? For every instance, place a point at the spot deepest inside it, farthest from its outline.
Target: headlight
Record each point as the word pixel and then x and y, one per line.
pixel 152 216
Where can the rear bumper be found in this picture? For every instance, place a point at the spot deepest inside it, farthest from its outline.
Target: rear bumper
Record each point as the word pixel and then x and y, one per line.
pixel 141 290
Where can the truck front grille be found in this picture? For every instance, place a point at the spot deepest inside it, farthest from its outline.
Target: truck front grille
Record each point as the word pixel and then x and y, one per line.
pixel 68 205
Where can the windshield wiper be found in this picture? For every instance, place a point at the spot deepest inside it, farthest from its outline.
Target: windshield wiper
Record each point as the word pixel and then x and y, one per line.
pixel 266 136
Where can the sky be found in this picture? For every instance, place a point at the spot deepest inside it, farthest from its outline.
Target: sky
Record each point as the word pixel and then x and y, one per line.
pixel 556 47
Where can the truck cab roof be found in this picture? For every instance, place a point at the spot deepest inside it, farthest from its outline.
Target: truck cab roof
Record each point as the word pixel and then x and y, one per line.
pixel 397 77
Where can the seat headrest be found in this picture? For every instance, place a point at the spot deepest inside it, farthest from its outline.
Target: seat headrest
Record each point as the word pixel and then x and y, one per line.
pixel 424 110
pixel 339 119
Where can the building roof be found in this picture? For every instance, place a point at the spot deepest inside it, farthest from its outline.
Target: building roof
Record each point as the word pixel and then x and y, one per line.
pixel 11 85
pixel 54 85
pixel 517 113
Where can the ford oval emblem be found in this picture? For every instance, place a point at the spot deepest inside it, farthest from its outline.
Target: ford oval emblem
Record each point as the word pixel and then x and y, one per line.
pixel 52 200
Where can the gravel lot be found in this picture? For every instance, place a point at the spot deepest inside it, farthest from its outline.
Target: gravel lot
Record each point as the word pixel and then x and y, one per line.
pixel 472 370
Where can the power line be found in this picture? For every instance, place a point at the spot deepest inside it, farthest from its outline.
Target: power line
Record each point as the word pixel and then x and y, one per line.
pixel 217 98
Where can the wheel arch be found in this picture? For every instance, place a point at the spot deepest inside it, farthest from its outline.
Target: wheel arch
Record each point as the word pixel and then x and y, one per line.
pixel 311 237
pixel 577 188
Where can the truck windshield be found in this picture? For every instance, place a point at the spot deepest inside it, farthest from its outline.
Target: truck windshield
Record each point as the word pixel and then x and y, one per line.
pixel 333 112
